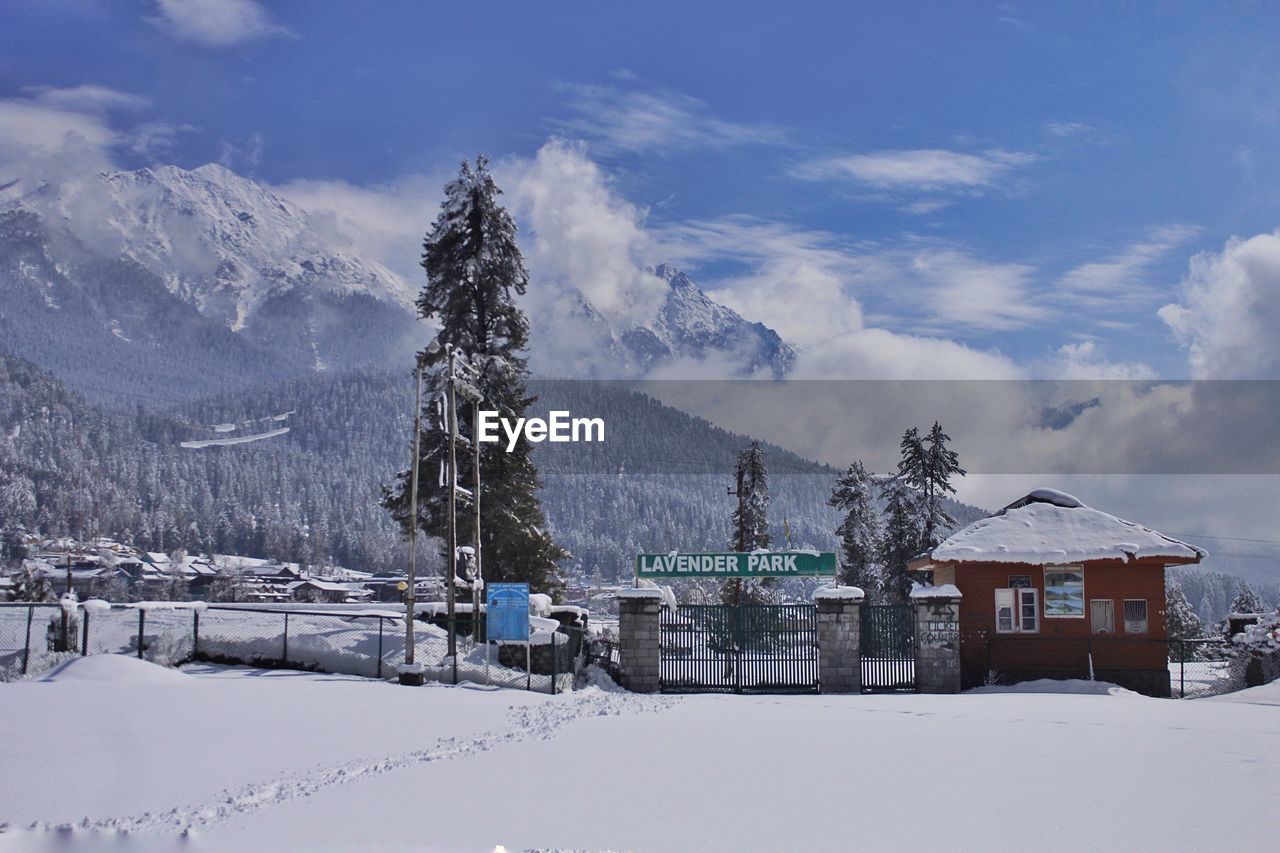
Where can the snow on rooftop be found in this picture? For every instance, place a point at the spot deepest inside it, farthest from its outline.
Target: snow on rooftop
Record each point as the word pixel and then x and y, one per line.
pixel 1050 527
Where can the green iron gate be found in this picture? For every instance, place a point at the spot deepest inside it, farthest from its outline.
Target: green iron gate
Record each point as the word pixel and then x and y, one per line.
pixel 887 644
pixel 750 648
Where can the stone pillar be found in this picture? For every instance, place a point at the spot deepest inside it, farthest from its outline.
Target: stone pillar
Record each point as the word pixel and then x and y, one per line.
pixel 638 639
pixel 937 638
pixel 839 665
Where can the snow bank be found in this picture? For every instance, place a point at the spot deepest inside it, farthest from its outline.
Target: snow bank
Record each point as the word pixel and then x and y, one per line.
pixel 1049 527
pixel 1267 694
pixel 118 669
pixel 1072 686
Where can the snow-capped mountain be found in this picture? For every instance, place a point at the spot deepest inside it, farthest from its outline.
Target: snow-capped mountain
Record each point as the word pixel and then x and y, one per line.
pixel 692 325
pixel 229 246
pixel 186 281
pixel 166 283
pixel 689 335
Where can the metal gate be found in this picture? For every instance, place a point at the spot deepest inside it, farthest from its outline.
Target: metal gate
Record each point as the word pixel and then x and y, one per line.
pixel 888 648
pixel 750 648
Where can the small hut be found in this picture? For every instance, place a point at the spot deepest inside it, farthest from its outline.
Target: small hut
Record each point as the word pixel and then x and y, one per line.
pixel 1056 589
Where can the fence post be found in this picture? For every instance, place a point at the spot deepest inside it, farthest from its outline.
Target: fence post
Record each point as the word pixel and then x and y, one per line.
pixel 285 659
pixel 84 641
pixel 380 621
pixel 195 633
pixel 142 624
pixel 26 647
pixel 1182 669
pixel 555 662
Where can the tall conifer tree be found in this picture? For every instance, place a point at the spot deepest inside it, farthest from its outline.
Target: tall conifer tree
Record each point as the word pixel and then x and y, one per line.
pixel 475 271
pixel 859 531
pixel 750 526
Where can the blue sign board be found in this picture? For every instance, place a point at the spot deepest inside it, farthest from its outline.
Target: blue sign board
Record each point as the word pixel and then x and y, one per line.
pixel 507 612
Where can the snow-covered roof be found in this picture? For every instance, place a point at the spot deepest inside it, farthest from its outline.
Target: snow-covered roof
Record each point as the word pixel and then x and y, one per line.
pixel 1051 527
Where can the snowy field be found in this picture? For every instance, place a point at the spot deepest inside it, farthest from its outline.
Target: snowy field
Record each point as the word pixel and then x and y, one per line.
pixel 114 753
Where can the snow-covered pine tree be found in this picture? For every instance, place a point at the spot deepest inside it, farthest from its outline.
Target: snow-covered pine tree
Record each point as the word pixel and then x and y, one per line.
pixel 178 589
pixel 859 530
pixel 474 273
pixel 749 524
pixel 1180 618
pixel 927 465
pixel 30 585
pixel 941 463
pixel 1246 600
pixel 902 536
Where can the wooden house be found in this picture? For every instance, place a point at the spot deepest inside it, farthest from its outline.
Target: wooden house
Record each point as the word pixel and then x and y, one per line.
pixel 1056 589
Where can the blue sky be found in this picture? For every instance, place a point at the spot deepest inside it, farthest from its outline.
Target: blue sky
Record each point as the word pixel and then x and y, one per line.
pixel 1024 180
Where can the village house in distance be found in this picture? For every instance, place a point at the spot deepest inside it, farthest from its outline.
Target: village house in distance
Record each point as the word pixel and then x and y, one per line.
pixel 1056 589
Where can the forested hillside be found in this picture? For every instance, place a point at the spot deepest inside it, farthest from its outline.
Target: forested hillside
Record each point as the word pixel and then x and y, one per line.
pixel 658 482
pixel 1210 593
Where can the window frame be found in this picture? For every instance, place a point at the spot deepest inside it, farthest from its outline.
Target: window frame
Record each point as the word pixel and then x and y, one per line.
pixel 1111 609
pixel 1146 616
pixel 1076 569
pixel 1012 604
pixel 1014 599
pixel 1018 593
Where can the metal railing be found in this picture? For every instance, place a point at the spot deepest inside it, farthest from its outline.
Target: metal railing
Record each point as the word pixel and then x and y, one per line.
pixel 359 641
pixel 1196 667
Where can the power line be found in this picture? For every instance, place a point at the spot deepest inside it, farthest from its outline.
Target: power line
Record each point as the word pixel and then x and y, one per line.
pixel 1230 538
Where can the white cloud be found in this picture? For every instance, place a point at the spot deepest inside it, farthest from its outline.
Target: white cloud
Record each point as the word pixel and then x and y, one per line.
pixel 387 221
pixel 655 121
pixel 86 98
pixel 1230 310
pixel 26 124
pixel 961 291
pixel 216 23
pixel 942 287
pixel 922 169
pixel 1120 281
pixel 1086 360
pixel 50 130
pixel 583 235
pixel 1064 129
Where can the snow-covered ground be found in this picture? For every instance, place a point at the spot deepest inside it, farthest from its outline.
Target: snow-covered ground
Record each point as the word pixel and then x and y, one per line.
pixel 127 755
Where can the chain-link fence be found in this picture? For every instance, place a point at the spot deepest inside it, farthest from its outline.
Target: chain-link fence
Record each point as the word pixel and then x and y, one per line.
pixel 33 638
pixel 1201 667
pixel 355 642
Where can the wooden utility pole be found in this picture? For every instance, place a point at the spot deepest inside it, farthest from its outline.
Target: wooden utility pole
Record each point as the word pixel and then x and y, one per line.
pixel 450 592
pixel 411 591
pixel 741 494
pixel 477 580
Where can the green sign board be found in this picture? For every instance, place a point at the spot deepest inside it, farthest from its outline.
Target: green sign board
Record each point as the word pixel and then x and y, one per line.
pixel 758 564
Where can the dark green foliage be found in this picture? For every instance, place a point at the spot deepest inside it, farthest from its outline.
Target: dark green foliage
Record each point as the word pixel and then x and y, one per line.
pixel 749 526
pixel 902 538
pixel 859 530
